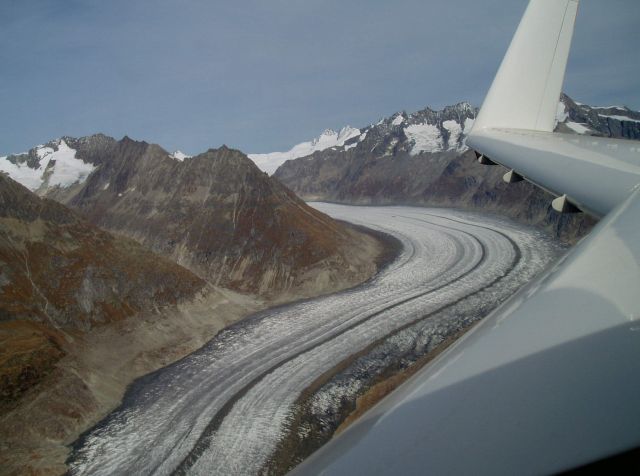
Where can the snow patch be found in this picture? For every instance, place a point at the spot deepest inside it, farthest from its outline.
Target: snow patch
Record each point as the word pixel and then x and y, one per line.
pixel 179 156
pixel 43 151
pixel 577 127
pixel 21 173
pixel 61 166
pixel 425 137
pixel 455 131
pixel 561 112
pixel 620 118
pixel 397 120
pixel 624 108
pixel 67 169
pixel 329 138
pixel 350 146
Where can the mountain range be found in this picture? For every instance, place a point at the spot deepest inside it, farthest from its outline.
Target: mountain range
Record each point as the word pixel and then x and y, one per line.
pixel 117 257
pixel 421 158
pixel 215 213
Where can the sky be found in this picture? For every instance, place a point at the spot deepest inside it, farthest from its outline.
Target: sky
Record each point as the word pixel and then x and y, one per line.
pixel 263 75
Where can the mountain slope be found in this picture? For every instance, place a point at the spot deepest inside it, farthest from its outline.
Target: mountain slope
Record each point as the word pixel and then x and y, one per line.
pixel 60 276
pixel 82 314
pixel 215 213
pixel 421 158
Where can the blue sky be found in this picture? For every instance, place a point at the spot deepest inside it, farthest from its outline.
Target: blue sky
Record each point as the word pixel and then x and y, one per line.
pixel 262 75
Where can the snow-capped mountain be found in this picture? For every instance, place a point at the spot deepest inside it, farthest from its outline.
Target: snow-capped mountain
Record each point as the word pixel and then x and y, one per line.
pixel 431 131
pixel 63 163
pixel 329 138
pixel 422 158
pixel 425 131
pixel 51 165
pixel 422 131
pixel 606 121
pixel 203 212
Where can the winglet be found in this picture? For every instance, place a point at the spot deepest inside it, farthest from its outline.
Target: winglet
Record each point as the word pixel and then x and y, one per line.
pixel 526 89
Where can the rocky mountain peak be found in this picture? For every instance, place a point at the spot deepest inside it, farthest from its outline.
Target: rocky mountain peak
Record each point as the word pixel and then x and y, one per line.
pixel 217 213
pixel 424 160
pixel 605 121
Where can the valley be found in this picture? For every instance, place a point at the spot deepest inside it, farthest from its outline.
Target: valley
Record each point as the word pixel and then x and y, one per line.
pixel 155 254
pixel 228 407
pixel 118 258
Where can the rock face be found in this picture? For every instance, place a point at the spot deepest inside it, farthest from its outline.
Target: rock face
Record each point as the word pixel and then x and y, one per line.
pixel 607 121
pixel 60 276
pixel 421 158
pixel 83 312
pixel 215 213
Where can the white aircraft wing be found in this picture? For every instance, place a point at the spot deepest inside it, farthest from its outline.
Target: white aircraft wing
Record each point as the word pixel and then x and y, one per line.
pixel 550 381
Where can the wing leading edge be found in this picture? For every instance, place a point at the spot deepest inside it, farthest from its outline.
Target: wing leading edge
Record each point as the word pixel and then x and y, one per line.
pixel 549 381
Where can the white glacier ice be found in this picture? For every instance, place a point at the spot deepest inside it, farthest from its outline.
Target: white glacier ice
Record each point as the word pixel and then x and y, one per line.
pixel 455 131
pixel 329 138
pixel 179 156
pixel 227 406
pixel 57 168
pixel 425 137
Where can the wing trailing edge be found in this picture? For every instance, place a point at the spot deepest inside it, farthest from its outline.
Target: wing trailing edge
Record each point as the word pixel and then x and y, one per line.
pixel 595 173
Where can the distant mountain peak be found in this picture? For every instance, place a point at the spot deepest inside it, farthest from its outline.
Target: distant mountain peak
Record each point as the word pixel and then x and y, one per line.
pixel 608 121
pixel 329 138
pixel 49 165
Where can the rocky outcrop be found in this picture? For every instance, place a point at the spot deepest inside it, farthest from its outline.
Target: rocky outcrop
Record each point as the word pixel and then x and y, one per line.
pixel 607 121
pixel 57 268
pixel 83 312
pixel 422 159
pixel 218 215
pixel 60 276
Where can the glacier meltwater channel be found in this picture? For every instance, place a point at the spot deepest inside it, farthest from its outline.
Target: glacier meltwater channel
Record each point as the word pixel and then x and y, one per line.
pixel 224 408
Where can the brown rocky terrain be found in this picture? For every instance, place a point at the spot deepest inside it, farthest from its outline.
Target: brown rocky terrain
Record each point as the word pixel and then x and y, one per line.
pixel 90 377
pixel 84 312
pixel 60 276
pixel 63 280
pixel 218 215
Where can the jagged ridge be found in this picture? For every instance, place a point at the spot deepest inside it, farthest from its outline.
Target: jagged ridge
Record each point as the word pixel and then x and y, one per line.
pixel 215 213
pixel 421 158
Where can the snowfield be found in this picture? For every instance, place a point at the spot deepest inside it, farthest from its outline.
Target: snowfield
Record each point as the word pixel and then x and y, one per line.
pixel 329 138
pixel 224 408
pixel 57 168
pixel 425 137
